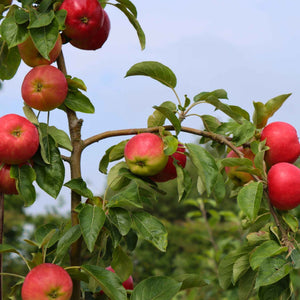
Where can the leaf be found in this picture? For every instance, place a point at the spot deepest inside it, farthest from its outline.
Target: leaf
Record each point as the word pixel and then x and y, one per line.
pixel 220 93
pixel 205 164
pixel 130 6
pixel 246 285
pixel 77 101
pixel 158 118
pixel 155 70
pixel 150 229
pixel 68 238
pixel 291 221
pixel 42 232
pixel 60 137
pixel 50 177
pixel 272 270
pixel 240 267
pixel 190 281
pixel 44 38
pixel 170 115
pixel 243 133
pixel 76 83
pixel 267 249
pixel 156 288
pixel 38 19
pixel 79 186
pixel 4 248
pixel 210 123
pixel 121 219
pixel 121 263
pixel 91 220
pixel 134 22
pixel 184 183
pixel 9 61
pixel 24 177
pixel 249 199
pixel 110 283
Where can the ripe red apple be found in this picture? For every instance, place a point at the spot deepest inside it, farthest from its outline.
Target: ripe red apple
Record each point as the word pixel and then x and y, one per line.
pixel 7 184
pixel 84 17
pixel 169 172
pixel 97 39
pixel 32 57
pixel 44 88
pixel 19 139
pixel 239 177
pixel 284 186
pixel 47 281
pixel 144 154
pixel 283 141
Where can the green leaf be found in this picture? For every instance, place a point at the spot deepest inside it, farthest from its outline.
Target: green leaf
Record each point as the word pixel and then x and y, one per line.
pixel 44 38
pixel 220 93
pixel 272 270
pixel 110 283
pixel 43 231
pixel 121 219
pixel 115 180
pixel 246 285
pixel 158 118
pixel 267 249
pixel 240 267
pixel 79 186
pixel 38 19
pixel 134 22
pixel 189 281
pixel 121 263
pixel 243 133
pixel 155 70
pixel 76 83
pixel 91 220
pixel 13 33
pixel 50 177
pixel 79 102
pixel 184 182
pixel 150 229
pixel 24 177
pixel 156 288
pixel 249 199
pixel 21 16
pixel 205 164
pixel 30 115
pixel 171 116
pixel 68 238
pixel 295 257
pixel 130 6
pixel 210 123
pixel 5 248
pixel 291 221
pixel 9 61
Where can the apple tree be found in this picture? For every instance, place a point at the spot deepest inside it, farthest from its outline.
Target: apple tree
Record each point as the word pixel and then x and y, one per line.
pixel 89 258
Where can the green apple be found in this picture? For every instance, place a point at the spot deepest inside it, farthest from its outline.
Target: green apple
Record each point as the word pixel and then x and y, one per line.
pixel 144 154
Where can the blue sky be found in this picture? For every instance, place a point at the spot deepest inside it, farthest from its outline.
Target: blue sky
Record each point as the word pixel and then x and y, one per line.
pixel 250 48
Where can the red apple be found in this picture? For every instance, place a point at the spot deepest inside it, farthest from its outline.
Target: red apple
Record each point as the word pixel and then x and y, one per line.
pixel 32 57
pixel 144 154
pixel 239 177
pixel 19 139
pixel 84 18
pixel 97 39
pixel 47 281
pixel 169 172
pixel 44 88
pixel 284 186
pixel 7 184
pixel 283 141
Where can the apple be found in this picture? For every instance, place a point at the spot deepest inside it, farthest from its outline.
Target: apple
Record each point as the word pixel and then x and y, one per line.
pixel 47 281
pixel 284 186
pixel 32 57
pixel 239 178
pixel 97 39
pixel 169 172
pixel 84 18
pixel 144 154
pixel 127 284
pixel 19 139
pixel 44 88
pixel 7 184
pixel 283 142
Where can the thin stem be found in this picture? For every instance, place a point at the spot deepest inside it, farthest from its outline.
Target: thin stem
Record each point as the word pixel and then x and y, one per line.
pixel 13 275
pixel 176 95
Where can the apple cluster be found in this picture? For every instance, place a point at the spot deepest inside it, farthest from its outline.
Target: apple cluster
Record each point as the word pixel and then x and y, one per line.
pixel 144 155
pixel 19 141
pixel 283 176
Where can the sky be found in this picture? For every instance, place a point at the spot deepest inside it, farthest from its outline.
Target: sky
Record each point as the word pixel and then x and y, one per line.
pixel 250 48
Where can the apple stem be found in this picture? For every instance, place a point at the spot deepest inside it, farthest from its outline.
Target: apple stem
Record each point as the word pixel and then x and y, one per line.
pixel 1 240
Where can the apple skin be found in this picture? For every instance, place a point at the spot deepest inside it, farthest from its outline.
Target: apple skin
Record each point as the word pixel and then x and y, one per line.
pixel 84 17
pixel 239 178
pixel 284 186
pixel 169 172
pixel 283 141
pixel 31 56
pixel 97 40
pixel 44 88
pixel 144 154
pixel 7 184
pixel 47 281
pixel 19 139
